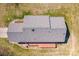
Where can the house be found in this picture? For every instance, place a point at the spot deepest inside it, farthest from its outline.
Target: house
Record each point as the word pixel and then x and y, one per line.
pixel 37 30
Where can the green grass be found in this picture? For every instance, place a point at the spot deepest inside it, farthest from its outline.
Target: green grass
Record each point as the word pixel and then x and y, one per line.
pixel 17 50
pixel 12 16
pixel 54 13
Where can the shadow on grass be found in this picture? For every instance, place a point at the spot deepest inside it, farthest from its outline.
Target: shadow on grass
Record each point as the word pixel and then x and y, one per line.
pixel 67 34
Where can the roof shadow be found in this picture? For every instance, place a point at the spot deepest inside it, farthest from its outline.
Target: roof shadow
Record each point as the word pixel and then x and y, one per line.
pixel 67 34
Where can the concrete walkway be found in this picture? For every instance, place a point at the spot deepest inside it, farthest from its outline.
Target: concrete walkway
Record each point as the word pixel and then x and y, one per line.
pixel 3 32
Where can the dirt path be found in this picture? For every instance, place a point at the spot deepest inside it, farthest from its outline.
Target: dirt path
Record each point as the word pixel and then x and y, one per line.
pixel 73 44
pixel 3 32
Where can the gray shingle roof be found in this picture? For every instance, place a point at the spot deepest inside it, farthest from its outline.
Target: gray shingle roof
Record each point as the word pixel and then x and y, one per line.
pixel 15 27
pixel 17 34
pixel 36 22
pixel 57 22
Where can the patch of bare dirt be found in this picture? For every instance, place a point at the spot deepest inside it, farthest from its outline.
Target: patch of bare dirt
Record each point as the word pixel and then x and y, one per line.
pixel 73 44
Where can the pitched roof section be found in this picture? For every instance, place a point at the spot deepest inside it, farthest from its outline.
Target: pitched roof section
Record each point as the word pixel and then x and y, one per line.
pixel 36 22
pixel 57 22
pixel 15 27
